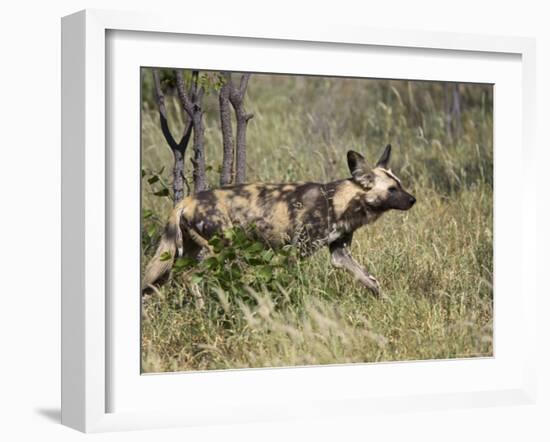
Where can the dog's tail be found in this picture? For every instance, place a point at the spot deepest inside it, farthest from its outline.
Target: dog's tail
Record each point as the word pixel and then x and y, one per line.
pixel 160 265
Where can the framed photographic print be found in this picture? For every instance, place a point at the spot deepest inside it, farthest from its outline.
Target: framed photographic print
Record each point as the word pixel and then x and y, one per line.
pixel 262 224
pixel 244 227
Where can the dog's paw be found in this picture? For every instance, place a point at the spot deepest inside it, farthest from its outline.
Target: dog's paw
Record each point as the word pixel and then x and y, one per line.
pixel 371 283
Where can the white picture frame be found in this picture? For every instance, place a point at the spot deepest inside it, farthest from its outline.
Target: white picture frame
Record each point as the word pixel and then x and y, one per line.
pixel 89 320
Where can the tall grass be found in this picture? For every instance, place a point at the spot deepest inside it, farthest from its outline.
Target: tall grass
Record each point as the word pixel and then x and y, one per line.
pixel 434 263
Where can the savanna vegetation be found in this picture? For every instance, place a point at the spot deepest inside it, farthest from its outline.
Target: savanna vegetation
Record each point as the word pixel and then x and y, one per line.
pixel 246 306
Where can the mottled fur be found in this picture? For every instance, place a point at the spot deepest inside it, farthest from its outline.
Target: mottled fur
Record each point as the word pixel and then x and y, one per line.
pixel 309 215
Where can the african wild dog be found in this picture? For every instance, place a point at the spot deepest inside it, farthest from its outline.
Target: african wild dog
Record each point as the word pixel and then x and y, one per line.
pixel 309 215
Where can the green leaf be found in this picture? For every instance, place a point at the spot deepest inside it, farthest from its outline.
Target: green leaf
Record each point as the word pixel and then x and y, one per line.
pixel 229 234
pixel 255 247
pixel 151 230
pixel 255 261
pixel 162 192
pixel 240 238
pixel 146 213
pixel 153 179
pixel 183 262
pixel 215 241
pixel 265 272
pixel 211 263
pixel 228 254
pixel 267 256
pixel 235 273
pixel 196 278
pixel 165 256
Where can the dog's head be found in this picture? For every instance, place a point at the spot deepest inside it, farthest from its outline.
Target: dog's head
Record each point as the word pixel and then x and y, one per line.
pixel 383 190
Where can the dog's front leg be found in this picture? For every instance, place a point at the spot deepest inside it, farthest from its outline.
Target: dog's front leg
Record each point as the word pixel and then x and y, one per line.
pixel 341 258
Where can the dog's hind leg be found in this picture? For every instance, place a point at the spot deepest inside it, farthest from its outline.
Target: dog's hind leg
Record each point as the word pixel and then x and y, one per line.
pixel 196 245
pixel 341 258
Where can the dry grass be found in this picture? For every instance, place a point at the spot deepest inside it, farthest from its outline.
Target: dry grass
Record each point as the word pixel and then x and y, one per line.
pixel 434 263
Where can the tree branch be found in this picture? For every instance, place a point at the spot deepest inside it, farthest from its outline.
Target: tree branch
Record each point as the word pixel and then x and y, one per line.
pixel 182 94
pixel 226 175
pixel 193 108
pixel 244 84
pixel 162 112
pixel 178 149
pixel 236 97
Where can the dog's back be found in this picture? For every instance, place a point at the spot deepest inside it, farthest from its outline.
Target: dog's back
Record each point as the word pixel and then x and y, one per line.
pixel 277 212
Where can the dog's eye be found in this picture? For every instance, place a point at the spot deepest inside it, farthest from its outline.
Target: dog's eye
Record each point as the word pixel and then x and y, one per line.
pixel 392 189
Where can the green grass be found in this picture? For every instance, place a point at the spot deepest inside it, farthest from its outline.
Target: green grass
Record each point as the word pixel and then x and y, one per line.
pixel 434 263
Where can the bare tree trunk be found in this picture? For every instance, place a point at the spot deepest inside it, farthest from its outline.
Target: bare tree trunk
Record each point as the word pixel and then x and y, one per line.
pixel 236 98
pixel 226 176
pixel 192 105
pixel 178 149
pixel 199 170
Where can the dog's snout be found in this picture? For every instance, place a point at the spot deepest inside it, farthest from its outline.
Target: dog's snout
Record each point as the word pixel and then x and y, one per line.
pixel 412 200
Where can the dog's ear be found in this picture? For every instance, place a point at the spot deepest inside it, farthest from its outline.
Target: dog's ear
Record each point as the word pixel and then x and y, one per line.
pixel 360 170
pixel 385 158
